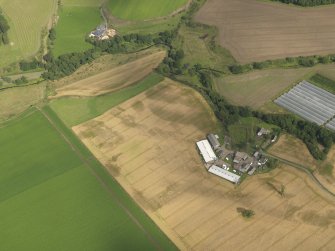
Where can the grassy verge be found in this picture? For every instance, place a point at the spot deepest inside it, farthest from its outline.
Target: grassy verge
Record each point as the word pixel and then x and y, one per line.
pixel 74 111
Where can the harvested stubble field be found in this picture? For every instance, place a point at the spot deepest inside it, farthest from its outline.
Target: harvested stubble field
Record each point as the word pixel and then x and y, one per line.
pixel 113 79
pixel 259 30
pixel 294 150
pixel 148 145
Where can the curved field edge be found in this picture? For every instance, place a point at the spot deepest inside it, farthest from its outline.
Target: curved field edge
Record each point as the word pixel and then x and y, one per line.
pixel 74 111
pixel 122 195
pixel 114 79
pixel 144 9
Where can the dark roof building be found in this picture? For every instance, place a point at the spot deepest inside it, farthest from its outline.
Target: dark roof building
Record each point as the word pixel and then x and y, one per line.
pixel 214 141
pixel 99 31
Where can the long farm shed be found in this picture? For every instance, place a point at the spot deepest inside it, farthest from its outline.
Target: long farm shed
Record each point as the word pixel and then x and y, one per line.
pixel 309 102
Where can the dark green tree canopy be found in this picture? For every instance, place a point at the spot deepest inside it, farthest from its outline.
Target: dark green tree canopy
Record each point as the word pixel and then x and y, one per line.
pixel 307 3
pixel 4 27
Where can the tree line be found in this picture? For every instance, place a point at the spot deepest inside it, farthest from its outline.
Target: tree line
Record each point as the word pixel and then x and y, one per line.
pixel 67 64
pixel 306 61
pixel 4 27
pixel 307 3
pixel 310 133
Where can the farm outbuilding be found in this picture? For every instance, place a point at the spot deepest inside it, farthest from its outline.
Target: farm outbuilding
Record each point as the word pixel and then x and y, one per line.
pixel 213 140
pixel 102 32
pixel 224 174
pixel 99 31
pixel 206 151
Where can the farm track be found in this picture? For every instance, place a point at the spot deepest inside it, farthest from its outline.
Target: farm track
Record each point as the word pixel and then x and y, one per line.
pixel 304 169
pixel 101 181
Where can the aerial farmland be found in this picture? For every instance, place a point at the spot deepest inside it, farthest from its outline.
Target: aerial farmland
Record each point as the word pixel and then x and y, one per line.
pixel 167 125
pixel 64 178
pixel 174 188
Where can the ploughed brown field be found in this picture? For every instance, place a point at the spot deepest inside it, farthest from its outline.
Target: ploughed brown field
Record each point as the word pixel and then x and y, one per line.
pixel 259 30
pixel 148 144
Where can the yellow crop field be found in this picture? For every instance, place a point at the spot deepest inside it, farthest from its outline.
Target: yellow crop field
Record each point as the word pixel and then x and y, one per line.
pixel 148 144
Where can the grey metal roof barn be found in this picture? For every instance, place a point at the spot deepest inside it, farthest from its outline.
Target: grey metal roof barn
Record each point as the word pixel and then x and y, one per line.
pixel 214 141
pixel 224 174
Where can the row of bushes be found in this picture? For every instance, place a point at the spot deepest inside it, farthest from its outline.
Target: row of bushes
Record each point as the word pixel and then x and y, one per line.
pixel 311 134
pixel 18 81
pixel 307 61
pixel 4 27
pixel 307 3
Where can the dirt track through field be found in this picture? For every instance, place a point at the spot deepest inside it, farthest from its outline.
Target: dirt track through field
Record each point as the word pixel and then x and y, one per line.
pixel 259 30
pixel 114 79
pixel 148 145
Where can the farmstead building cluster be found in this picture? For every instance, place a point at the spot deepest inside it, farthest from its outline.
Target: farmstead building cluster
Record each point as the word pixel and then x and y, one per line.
pixel 229 164
pixel 213 163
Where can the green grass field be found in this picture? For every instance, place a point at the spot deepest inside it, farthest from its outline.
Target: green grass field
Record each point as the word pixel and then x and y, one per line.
pixel 55 196
pixel 149 26
pixel 74 111
pixel 75 22
pixel 198 46
pixel 26 23
pixel 144 9
pixel 243 133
